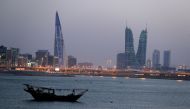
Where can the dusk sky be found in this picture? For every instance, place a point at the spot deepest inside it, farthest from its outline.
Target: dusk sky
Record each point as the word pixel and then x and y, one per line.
pixel 94 30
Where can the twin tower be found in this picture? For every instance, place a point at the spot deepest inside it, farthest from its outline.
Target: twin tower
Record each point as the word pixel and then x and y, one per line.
pixel 129 59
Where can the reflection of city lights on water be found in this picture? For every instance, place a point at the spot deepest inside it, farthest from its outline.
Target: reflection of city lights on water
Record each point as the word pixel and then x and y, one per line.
pixel 114 77
pixel 101 76
pixel 143 78
pixel 179 80
pixel 126 77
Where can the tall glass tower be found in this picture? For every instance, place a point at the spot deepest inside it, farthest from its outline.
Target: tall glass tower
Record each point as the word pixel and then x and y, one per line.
pixel 141 52
pixel 129 48
pixel 156 59
pixel 59 42
pixel 167 58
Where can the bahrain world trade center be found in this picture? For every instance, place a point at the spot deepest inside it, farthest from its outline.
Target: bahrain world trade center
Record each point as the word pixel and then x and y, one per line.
pixel 59 43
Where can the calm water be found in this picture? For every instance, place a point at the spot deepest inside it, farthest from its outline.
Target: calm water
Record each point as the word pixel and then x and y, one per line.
pixel 104 93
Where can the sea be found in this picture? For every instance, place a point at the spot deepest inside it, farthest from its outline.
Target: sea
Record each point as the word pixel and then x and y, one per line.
pixel 103 92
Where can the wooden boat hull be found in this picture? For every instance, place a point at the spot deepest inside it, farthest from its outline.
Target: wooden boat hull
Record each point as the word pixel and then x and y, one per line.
pixel 47 96
pixel 50 97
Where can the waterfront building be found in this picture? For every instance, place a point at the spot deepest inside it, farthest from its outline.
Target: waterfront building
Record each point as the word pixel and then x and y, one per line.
pixel 141 52
pixel 183 68
pixel 72 61
pixel 3 56
pixel 9 57
pixel 56 61
pixel 59 42
pixel 149 63
pixel 156 59
pixel 32 63
pixel 22 61
pixel 15 55
pixel 122 61
pixel 51 60
pixel 12 57
pixel 167 58
pixel 28 56
pixel 85 65
pixel 129 48
pixel 42 57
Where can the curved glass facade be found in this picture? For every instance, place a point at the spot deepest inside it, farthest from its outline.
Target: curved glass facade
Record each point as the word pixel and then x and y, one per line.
pixel 129 48
pixel 141 52
pixel 59 42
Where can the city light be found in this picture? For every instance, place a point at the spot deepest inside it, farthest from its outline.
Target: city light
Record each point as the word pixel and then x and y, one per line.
pixel 143 78
pixel 57 69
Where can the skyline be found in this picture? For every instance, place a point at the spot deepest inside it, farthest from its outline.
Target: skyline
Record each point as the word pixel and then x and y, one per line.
pixel 94 30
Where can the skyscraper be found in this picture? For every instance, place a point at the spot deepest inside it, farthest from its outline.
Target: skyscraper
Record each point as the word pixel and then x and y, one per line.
pixel 129 48
pixel 156 59
pixel 59 42
pixel 149 63
pixel 51 60
pixel 3 57
pixel 121 60
pixel 166 60
pixel 22 61
pixel 28 56
pixel 72 61
pixel 42 57
pixel 141 52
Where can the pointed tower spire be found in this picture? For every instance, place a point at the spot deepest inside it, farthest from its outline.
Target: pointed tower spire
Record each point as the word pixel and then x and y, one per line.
pixel 126 23
pixel 57 21
pixel 146 27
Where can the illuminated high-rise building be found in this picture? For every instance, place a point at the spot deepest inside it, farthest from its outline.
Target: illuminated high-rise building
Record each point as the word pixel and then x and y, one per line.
pixel 59 42
pixel 141 52
pixel 129 48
